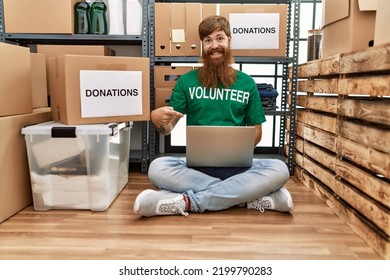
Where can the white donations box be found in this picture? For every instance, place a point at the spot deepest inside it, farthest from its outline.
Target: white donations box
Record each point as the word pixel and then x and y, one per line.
pixel 110 93
pixel 257 29
pixel 99 89
pixel 77 167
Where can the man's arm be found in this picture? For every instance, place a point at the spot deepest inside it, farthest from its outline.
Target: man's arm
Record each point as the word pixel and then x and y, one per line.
pixel 165 119
pixel 258 134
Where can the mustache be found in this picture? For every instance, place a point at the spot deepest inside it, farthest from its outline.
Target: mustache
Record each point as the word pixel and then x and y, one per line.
pixel 218 49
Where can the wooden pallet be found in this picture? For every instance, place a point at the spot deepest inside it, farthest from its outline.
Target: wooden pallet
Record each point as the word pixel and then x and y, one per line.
pixel 342 132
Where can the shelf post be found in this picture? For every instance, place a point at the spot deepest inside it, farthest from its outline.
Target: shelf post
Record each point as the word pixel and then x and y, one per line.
pixel 294 87
pixel 2 27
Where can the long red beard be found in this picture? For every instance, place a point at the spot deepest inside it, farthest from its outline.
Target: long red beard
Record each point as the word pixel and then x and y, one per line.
pixel 217 71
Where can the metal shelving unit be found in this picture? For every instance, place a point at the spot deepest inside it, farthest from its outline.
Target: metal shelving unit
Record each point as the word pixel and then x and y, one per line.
pixel 150 140
pixel 292 36
pixel 137 156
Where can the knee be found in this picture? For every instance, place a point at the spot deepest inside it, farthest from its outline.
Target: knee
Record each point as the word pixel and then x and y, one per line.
pixel 282 169
pixel 162 167
pixel 156 168
pixel 279 169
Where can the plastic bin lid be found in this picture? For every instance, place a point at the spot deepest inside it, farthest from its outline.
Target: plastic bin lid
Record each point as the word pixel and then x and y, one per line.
pixel 63 130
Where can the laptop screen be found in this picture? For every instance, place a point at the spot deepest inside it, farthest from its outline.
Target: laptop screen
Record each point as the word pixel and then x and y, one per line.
pixel 220 146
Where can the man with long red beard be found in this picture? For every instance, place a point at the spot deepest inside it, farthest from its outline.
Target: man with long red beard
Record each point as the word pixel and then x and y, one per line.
pixel 216 94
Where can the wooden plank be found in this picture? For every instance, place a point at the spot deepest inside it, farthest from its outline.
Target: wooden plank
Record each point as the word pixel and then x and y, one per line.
pixel 322 103
pixel 301 100
pixel 325 158
pixel 374 137
pixel 321 138
pixel 319 67
pixel 300 115
pixel 369 60
pixel 378 85
pixel 330 65
pixel 327 104
pixel 302 71
pixel 376 214
pixel 374 187
pixel 298 172
pixel 379 243
pixel 300 129
pixel 322 174
pixel 299 159
pixel 299 144
pixel 324 122
pixel 313 68
pixel 370 110
pixel 366 157
pixel 319 86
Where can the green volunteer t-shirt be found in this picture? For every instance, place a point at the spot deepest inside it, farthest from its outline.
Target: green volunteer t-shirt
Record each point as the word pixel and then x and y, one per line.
pixel 238 105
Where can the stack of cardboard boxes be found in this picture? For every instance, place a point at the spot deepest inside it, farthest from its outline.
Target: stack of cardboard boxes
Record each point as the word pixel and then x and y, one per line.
pixel 351 25
pixel 165 78
pixel 86 150
pixel 257 30
pixel 70 86
pixel 60 81
pixel 23 101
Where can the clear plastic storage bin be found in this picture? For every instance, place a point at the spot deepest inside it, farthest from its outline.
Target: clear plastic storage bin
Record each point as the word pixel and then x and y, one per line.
pixel 77 167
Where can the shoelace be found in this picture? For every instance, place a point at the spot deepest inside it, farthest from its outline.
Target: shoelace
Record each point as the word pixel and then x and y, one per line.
pixel 260 205
pixel 172 208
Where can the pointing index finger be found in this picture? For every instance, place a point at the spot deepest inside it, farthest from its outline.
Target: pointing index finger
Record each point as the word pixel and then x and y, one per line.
pixel 174 113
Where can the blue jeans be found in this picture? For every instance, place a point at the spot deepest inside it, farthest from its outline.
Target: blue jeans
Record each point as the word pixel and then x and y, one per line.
pixel 216 189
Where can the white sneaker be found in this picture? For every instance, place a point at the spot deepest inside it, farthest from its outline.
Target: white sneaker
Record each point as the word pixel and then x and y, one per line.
pixel 152 203
pixel 279 200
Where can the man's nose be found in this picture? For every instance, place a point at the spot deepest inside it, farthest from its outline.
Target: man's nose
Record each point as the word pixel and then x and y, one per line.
pixel 214 44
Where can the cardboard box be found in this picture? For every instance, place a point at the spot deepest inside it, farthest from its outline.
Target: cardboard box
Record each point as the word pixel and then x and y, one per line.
pixel 15 185
pixel 176 29
pixel 257 29
pixel 184 18
pixel 193 46
pixel 77 167
pixel 15 80
pixel 162 96
pixel 39 16
pixel 167 76
pixel 208 10
pixel 382 23
pixel 348 25
pixel 57 50
pixel 72 103
pixel 39 80
pixel 162 14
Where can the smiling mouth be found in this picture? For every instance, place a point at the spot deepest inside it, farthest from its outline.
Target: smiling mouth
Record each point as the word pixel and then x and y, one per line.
pixel 216 53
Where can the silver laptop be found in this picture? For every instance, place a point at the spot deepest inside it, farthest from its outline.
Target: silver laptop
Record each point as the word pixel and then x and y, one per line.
pixel 220 146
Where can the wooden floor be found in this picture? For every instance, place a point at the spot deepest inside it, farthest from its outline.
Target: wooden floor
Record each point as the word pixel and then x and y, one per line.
pixel 312 231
